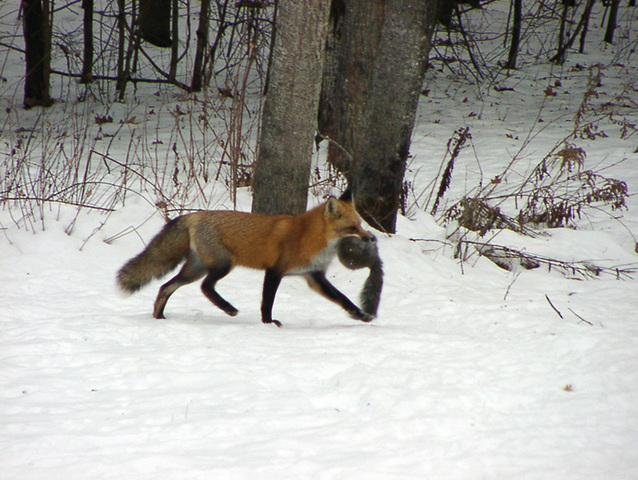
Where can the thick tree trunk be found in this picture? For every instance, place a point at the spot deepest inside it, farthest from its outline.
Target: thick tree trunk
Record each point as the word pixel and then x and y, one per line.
pixel 155 22
pixel 289 118
pixel 37 36
pixel 379 66
pixel 350 61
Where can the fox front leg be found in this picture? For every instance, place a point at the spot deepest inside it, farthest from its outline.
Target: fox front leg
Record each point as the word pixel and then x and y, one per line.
pixel 318 282
pixel 271 284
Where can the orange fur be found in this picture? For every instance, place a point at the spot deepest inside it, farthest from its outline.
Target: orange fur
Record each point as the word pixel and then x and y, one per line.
pixel 284 242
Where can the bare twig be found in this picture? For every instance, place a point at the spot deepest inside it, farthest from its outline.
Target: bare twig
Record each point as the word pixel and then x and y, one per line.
pixel 581 318
pixel 507 292
pixel 552 305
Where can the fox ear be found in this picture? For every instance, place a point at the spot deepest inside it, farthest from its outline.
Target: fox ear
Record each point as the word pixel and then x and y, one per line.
pixel 346 196
pixel 333 208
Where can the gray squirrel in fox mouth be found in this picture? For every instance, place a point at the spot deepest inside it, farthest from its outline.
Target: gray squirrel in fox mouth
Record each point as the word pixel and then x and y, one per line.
pixel 355 253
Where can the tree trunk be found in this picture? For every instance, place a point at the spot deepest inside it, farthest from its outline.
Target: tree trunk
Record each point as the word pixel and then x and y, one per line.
pixel 155 22
pixel 350 61
pixel 560 55
pixel 585 22
pixel 289 118
pixel 172 73
pixel 37 37
pixel 87 62
pixel 516 34
pixel 122 75
pixel 373 116
pixel 202 43
pixel 611 23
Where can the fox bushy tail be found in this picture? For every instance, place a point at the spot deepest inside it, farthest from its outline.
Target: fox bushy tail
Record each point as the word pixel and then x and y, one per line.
pixel 167 249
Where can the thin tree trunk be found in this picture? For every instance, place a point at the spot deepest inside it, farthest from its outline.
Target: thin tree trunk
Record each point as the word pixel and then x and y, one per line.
pixel 289 118
pixel 273 38
pixel 559 57
pixel 172 73
pixel 130 55
pixel 120 85
pixel 585 22
pixel 87 62
pixel 516 34
pixel 202 43
pixel 611 23
pixel 222 9
pixel 37 36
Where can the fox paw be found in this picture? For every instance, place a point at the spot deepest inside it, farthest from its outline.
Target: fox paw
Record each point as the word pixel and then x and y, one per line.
pixel 276 322
pixel 363 316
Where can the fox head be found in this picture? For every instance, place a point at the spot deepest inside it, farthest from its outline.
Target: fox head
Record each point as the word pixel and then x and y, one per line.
pixel 343 219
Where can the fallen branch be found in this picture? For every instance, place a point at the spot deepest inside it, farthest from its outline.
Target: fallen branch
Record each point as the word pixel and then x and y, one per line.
pixel 54 200
pixel 581 318
pixel 509 259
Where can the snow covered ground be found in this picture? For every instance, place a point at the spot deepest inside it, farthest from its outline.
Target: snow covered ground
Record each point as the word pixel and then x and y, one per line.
pixel 469 372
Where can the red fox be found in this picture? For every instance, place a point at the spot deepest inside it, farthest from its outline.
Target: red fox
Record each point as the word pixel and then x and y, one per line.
pixel 213 242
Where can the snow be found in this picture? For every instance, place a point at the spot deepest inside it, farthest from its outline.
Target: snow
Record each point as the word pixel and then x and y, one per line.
pixel 469 371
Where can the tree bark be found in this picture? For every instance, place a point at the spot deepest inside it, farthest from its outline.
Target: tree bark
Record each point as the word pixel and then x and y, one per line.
pixel 289 118
pixel 350 61
pixel 37 37
pixel 374 116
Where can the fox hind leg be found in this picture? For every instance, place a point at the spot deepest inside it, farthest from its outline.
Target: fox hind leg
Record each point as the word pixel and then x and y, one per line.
pixel 193 270
pixel 208 287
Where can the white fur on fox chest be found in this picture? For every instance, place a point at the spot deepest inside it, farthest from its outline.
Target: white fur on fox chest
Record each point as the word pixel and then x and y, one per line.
pixel 319 262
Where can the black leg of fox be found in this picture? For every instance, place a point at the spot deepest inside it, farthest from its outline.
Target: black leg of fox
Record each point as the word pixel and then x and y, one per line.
pixel 192 271
pixel 208 287
pixel 319 283
pixel 271 284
